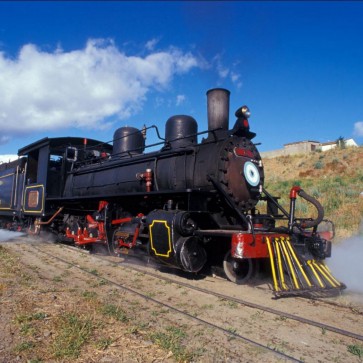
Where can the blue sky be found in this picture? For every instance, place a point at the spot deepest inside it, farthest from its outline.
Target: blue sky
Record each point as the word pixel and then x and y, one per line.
pixel 87 68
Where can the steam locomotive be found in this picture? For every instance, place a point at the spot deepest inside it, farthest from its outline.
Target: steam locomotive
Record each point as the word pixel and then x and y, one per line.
pixel 190 204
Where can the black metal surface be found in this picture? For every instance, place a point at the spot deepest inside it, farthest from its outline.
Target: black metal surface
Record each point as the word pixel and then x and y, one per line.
pixel 218 108
pixel 128 139
pixel 180 131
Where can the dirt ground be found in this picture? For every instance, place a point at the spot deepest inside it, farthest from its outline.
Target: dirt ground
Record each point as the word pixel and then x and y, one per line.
pixel 51 311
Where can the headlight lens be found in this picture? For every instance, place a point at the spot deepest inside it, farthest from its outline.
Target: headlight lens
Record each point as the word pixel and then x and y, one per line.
pixel 251 173
pixel 246 111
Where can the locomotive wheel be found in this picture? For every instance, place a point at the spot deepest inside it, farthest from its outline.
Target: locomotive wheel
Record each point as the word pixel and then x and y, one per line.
pixel 239 271
pixel 113 243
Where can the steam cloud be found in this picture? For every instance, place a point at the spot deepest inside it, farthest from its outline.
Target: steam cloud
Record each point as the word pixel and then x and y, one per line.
pixel 9 235
pixel 346 263
pixel 89 87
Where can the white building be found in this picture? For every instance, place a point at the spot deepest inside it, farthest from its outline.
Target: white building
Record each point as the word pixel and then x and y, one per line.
pixel 333 144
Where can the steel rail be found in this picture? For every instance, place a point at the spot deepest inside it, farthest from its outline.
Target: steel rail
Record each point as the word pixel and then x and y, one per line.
pixel 172 308
pixel 252 305
pixel 256 306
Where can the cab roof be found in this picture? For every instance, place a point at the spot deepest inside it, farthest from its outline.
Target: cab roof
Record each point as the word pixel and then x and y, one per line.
pixel 63 142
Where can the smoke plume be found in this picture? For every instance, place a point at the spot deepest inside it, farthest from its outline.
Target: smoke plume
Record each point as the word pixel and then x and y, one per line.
pixel 6 236
pixel 346 263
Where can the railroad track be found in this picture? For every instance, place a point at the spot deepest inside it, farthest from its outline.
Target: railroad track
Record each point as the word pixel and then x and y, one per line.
pixel 129 287
pixel 146 297
pixel 282 314
pixel 242 302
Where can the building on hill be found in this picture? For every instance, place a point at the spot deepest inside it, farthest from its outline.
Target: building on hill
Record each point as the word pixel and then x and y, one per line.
pixel 333 144
pixel 305 147
pixel 301 147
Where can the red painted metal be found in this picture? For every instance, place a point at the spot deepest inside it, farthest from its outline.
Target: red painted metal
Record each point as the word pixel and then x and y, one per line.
pixel 83 237
pixel 121 220
pixel 121 242
pixel 247 245
pixel 102 204
pixel 294 191
pixel 328 235
pixel 147 176
pixel 242 152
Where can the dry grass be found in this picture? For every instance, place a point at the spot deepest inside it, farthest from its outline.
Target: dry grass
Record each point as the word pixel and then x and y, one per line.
pixel 334 177
pixel 45 322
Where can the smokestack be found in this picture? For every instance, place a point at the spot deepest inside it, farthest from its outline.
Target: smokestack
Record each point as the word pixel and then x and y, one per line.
pixel 218 108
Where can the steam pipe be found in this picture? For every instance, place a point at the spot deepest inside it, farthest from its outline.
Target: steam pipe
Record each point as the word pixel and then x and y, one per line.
pixel 296 190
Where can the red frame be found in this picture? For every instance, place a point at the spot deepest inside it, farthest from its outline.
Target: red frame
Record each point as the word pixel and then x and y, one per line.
pixel 247 245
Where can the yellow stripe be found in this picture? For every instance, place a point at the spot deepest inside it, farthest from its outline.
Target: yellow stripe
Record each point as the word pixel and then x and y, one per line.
pixel 328 272
pixel 289 263
pixel 282 276
pixel 165 223
pixel 41 194
pixel 324 274
pixel 320 266
pixel 298 262
pixel 276 287
pixel 315 274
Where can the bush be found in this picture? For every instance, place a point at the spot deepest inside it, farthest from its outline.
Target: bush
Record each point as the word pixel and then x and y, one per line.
pixel 319 165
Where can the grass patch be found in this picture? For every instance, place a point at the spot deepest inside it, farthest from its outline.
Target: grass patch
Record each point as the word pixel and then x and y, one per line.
pixel 8 262
pixel 115 312
pixel 104 343
pixel 73 332
pixel 23 318
pixel 89 295
pixel 57 279
pixel 94 272
pixel 27 322
pixel 172 340
pixel 24 346
pixel 356 350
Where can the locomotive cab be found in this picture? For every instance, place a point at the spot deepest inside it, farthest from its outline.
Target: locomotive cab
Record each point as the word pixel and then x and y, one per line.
pixel 47 163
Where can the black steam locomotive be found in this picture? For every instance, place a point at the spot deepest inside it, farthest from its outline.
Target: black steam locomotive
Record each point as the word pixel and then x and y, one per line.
pixel 189 205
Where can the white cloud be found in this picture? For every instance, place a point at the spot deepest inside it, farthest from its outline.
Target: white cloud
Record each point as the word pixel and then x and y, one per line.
pixel 150 45
pixel 222 71
pixel 80 88
pixel 227 73
pixel 7 158
pixel 180 99
pixel 235 78
pixel 358 128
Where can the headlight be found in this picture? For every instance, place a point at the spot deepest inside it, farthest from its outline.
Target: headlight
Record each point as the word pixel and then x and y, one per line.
pixel 243 111
pixel 251 173
pixel 246 111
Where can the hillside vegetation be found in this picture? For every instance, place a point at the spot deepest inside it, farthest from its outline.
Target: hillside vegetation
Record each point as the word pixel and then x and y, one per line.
pixel 334 177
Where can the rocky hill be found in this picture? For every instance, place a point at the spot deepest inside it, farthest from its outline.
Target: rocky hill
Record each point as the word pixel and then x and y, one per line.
pixel 334 177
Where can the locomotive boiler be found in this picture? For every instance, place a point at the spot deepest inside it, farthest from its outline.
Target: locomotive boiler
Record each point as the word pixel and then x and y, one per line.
pixel 191 205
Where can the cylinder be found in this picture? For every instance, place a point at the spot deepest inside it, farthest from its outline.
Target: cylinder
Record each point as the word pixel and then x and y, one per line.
pixel 180 131
pixel 218 108
pixel 128 139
